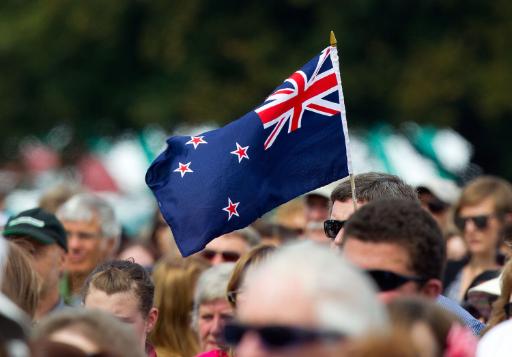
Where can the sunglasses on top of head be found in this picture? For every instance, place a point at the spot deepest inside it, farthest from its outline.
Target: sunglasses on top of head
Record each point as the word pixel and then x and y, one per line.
pixel 388 280
pixel 278 336
pixel 332 227
pixel 227 256
pixel 480 222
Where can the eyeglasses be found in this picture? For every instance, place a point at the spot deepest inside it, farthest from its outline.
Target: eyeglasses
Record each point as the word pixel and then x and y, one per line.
pixel 332 227
pixel 387 280
pixel 277 336
pixel 508 309
pixel 480 222
pixel 227 255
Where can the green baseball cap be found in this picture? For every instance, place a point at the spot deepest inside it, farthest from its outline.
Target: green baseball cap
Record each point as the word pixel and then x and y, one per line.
pixel 38 224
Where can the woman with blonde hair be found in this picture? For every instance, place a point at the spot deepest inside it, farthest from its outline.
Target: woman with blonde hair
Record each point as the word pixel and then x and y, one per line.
pixel 21 283
pixel 255 256
pixel 175 279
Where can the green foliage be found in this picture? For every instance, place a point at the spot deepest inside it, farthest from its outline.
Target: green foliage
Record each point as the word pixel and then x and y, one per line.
pixel 105 66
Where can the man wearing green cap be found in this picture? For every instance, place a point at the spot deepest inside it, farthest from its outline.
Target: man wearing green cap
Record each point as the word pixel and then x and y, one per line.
pixel 44 237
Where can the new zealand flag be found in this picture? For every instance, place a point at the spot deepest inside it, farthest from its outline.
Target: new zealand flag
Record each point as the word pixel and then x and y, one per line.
pixel 224 179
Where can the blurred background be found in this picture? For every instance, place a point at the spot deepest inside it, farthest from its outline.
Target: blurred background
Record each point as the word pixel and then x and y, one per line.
pixel 89 90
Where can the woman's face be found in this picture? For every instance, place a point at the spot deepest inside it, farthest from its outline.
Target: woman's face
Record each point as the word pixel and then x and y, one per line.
pixel 481 239
pixel 213 315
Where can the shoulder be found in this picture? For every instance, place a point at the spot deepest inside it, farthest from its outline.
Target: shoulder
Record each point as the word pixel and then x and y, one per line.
pixel 466 318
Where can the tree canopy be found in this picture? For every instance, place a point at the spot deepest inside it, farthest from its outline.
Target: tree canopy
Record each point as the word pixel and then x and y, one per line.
pixel 101 67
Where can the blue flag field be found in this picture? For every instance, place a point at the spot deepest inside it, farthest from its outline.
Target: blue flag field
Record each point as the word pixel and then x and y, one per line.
pixel 224 179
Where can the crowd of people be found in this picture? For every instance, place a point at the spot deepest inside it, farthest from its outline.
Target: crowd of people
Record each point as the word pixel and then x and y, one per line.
pixel 399 271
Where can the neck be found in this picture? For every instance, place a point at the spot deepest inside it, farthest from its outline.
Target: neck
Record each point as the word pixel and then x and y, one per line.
pixel 47 303
pixel 484 260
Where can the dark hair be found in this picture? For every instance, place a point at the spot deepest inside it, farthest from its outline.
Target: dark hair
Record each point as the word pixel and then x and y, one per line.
pixel 371 186
pixel 122 276
pixel 405 223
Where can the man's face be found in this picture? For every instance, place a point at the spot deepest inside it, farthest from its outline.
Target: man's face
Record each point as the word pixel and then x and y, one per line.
pixel 317 208
pixel 213 315
pixel 125 306
pixel 226 248
pixel 271 302
pixel 382 256
pixel 341 211
pixel 482 240
pixel 48 261
pixel 86 246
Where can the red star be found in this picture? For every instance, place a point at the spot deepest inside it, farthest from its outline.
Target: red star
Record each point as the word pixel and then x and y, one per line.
pixel 183 169
pixel 241 152
pixel 196 140
pixel 231 208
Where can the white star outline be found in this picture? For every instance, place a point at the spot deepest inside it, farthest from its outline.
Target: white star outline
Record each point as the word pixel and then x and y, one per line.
pixel 196 140
pixel 183 168
pixel 232 212
pixel 242 155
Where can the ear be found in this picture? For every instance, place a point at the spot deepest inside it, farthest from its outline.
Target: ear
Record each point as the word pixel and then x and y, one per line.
pixel 508 218
pixel 432 288
pixel 109 244
pixel 151 319
pixel 61 258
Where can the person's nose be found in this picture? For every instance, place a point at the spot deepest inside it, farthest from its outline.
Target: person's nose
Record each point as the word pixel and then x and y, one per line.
pixel 339 238
pixel 250 346
pixel 217 326
pixel 73 242
pixel 217 259
pixel 469 226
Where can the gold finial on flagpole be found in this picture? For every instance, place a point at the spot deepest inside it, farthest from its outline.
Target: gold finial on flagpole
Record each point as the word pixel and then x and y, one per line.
pixel 332 39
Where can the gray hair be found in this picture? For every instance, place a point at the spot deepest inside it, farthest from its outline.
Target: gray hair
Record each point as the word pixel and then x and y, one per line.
pixel 211 285
pixel 372 186
pixel 344 299
pixel 86 206
pixel 250 235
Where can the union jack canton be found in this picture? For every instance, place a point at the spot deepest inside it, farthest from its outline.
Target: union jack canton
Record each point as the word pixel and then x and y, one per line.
pixel 222 180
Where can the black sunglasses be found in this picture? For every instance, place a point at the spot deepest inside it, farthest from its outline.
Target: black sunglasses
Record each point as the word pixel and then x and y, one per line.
pixel 227 256
pixel 480 222
pixel 277 336
pixel 436 206
pixel 508 309
pixel 387 280
pixel 332 227
pixel 232 295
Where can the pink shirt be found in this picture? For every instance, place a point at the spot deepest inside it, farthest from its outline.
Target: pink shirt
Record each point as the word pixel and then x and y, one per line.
pixel 213 353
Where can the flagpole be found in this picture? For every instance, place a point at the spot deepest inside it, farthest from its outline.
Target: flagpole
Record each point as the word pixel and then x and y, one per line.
pixel 333 43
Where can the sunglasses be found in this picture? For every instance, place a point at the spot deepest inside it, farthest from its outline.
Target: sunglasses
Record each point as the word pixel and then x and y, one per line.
pixel 436 206
pixel 508 309
pixel 332 227
pixel 232 295
pixel 480 222
pixel 277 336
pixel 387 280
pixel 227 256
